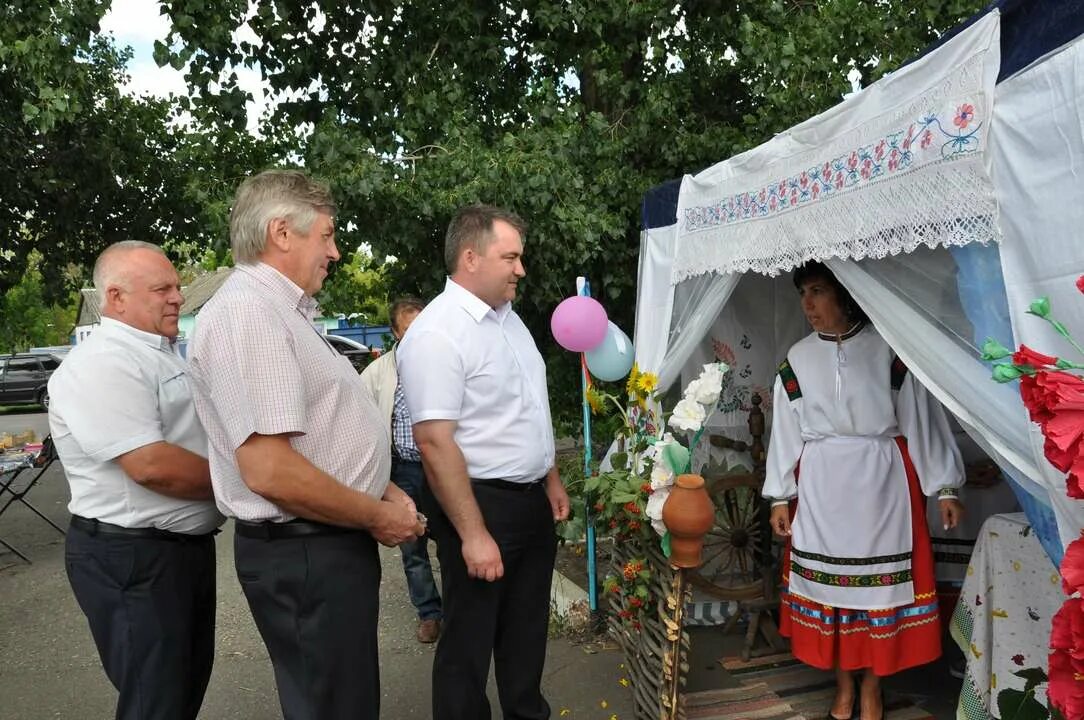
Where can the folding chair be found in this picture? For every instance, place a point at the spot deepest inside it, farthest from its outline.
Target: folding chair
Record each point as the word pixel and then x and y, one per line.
pixel 35 470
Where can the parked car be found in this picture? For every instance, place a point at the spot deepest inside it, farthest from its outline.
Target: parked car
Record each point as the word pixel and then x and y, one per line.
pixel 24 378
pixel 355 352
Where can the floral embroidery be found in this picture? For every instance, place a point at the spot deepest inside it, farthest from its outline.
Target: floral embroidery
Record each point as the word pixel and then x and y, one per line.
pixel 875 580
pixel 890 154
pixel 738 395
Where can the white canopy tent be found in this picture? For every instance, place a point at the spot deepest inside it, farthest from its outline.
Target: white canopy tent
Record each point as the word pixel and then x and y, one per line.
pixel 945 197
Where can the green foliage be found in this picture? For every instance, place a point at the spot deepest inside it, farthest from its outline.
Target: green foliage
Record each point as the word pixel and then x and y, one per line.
pixel 565 112
pixel 85 165
pixel 357 286
pixel 30 321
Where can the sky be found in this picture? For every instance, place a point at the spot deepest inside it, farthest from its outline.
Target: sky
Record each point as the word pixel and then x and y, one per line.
pixel 137 24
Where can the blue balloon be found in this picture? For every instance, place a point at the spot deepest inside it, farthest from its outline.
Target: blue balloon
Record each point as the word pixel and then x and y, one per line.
pixel 613 357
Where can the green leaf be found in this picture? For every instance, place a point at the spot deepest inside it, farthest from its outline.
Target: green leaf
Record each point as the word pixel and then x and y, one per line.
pixel 1040 307
pixel 1007 372
pixel 993 350
pixel 1020 705
pixel 619 460
pixel 665 544
pixel 677 457
pixel 1032 676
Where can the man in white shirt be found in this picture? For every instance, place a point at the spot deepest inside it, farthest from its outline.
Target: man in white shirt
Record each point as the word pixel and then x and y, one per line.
pixel 381 379
pixel 299 455
pixel 140 552
pixel 475 387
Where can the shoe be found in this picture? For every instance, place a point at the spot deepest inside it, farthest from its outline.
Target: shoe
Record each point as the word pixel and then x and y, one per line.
pixel 428 631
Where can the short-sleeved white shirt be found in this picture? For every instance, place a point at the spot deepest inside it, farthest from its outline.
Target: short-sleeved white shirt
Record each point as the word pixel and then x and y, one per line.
pixel 462 360
pixel 118 390
pixel 260 366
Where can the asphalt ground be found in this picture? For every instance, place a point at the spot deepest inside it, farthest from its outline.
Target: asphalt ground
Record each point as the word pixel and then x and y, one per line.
pixel 49 667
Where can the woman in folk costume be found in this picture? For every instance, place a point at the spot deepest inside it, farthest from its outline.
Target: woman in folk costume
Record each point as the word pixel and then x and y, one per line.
pixel 856 442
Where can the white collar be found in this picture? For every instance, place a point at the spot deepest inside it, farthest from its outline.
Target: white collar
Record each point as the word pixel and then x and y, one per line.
pixel 159 342
pixel 475 306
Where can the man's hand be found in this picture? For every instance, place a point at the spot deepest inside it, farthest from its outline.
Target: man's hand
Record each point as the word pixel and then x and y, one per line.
pixel 395 494
pixel 558 497
pixel 780 520
pixel 483 558
pixel 952 512
pixel 396 523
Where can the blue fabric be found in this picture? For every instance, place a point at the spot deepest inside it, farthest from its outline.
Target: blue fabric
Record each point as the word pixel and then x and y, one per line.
pixel 424 596
pixel 659 208
pixel 982 293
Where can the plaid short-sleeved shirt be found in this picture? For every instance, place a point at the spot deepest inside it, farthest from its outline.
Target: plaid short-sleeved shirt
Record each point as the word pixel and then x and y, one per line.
pixel 402 435
pixel 260 366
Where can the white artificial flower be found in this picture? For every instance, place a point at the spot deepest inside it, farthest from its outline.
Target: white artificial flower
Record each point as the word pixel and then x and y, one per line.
pixel 688 415
pixel 661 475
pixel 654 509
pixel 693 389
pixel 708 385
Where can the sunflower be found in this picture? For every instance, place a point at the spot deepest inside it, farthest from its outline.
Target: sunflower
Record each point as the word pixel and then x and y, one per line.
pixel 646 383
pixel 634 378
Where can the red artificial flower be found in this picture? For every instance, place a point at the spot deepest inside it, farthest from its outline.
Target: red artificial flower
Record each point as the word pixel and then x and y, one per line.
pixel 1027 356
pixel 1067 630
pixel 1065 687
pixel 1072 567
pixel 1080 283
pixel 1055 400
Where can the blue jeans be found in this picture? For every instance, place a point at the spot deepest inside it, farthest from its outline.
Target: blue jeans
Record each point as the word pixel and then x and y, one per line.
pixel 410 478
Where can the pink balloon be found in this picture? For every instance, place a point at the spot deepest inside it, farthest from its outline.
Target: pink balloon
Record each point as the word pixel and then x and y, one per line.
pixel 579 323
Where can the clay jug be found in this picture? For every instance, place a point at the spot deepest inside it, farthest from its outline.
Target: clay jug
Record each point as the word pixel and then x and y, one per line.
pixel 688 514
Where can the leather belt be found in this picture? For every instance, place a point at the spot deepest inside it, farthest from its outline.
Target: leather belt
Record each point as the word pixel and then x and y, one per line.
pixel 499 484
pixel 290 529
pixel 97 527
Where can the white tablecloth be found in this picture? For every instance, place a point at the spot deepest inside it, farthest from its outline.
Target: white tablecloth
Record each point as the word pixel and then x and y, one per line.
pixel 1002 622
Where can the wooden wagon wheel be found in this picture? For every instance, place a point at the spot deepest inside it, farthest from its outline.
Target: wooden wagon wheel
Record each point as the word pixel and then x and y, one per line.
pixel 736 557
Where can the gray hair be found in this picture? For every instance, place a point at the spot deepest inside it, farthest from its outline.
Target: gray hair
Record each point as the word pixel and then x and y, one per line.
pixel 472 227
pixel 273 194
pixel 108 270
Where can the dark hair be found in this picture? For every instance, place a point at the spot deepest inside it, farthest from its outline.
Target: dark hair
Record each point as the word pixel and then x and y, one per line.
pixel 472 227
pixel 814 270
pixel 401 305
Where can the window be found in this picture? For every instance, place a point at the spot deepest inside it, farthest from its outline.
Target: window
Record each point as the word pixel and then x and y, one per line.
pixel 22 368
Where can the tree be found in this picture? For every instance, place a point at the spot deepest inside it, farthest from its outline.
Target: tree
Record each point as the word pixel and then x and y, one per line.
pixel 564 111
pixel 84 165
pixel 30 321
pixel 357 288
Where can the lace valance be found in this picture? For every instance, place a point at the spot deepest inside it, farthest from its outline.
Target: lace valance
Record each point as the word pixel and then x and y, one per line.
pixel 899 165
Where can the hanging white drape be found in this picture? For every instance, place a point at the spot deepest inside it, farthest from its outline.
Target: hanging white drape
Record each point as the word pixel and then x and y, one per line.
pixel 1037 161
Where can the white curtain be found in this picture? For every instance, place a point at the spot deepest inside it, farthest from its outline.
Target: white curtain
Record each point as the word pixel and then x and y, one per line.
pixel 931 337
pixel 1037 156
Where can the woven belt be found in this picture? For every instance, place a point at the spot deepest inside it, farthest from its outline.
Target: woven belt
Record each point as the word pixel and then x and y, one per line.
pixel 97 527
pixel 291 529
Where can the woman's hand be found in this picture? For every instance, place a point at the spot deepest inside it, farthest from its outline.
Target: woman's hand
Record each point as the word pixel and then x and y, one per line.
pixel 952 512
pixel 780 520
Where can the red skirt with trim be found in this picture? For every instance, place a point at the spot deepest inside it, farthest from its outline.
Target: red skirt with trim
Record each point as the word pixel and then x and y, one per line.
pixel 887 640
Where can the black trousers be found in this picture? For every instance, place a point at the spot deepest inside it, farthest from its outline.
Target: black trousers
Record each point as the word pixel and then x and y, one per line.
pixel 507 620
pixel 151 607
pixel 315 600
